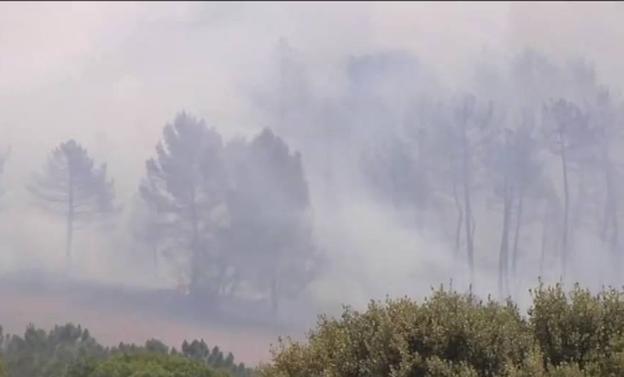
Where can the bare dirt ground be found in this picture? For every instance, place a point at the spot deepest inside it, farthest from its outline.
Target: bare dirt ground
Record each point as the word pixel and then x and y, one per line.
pixel 115 315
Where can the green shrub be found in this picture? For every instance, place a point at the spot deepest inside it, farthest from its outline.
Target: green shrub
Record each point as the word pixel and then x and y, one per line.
pixel 580 328
pixel 448 333
pixel 452 334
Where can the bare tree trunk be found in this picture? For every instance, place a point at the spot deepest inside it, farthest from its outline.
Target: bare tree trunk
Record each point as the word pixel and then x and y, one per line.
pixel 615 243
pixel 612 214
pixel 460 219
pixel 606 219
pixel 469 232
pixel 70 222
pixel 468 205
pixel 514 258
pixel 474 228
pixel 577 208
pixel 566 209
pixel 195 262
pixel 503 261
pixel 422 206
pixel 70 236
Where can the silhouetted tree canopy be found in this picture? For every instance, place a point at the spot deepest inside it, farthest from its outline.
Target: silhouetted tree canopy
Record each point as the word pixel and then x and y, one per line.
pixel 239 212
pixel 70 185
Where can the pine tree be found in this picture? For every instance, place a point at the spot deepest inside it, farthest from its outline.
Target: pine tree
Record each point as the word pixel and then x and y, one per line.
pixel 72 186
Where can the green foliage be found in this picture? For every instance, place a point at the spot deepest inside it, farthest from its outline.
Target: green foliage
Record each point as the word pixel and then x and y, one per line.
pixel 451 334
pixel 70 351
pixel 2 369
pixel 156 346
pixel 214 358
pixel 580 328
pixel 82 367
pixel 151 365
pixel 41 354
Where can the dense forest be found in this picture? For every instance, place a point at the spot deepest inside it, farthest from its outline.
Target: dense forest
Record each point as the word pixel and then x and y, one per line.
pixel 203 210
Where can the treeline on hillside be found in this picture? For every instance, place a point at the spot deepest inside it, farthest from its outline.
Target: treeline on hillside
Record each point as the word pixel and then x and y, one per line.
pixel 520 171
pixel 70 351
pixel 228 219
pixel 515 167
pixel 575 334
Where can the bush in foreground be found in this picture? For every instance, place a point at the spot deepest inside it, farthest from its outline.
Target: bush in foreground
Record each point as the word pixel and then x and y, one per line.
pixel 452 334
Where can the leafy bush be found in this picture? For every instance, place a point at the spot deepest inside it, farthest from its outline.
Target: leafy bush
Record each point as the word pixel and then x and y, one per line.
pixel 452 334
pixel 580 328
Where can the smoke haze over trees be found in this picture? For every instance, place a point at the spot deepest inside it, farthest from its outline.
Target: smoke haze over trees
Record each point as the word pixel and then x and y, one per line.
pixel 237 212
pixel 271 161
pixel 72 187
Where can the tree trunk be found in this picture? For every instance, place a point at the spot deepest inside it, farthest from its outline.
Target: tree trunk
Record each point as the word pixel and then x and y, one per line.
pixel 195 262
pixel 70 222
pixel 606 219
pixel 422 203
pixel 469 234
pixel 612 214
pixel 503 283
pixel 566 210
pixel 514 258
pixel 468 205
pixel 69 237
pixel 460 219
pixel 577 209
pixel 615 241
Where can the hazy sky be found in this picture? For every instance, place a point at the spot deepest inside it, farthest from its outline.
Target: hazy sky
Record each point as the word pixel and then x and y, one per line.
pixel 112 74
pixel 107 72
